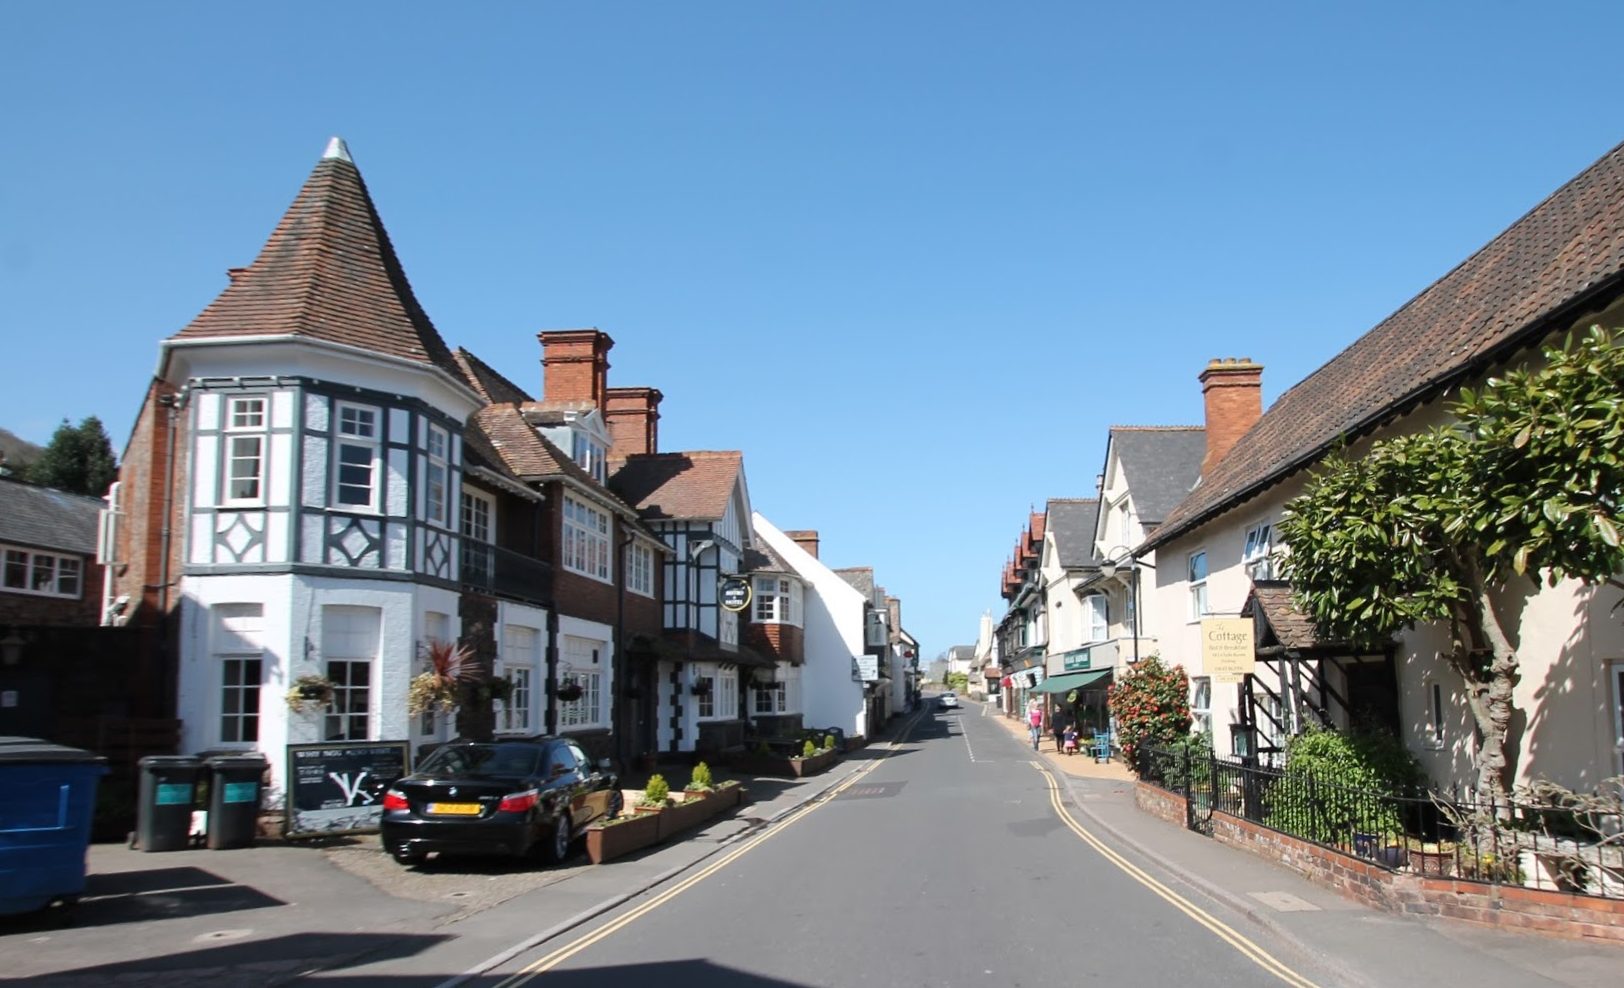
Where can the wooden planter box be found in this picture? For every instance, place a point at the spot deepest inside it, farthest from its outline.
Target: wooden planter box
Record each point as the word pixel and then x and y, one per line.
pixel 794 768
pixel 605 842
pixel 686 815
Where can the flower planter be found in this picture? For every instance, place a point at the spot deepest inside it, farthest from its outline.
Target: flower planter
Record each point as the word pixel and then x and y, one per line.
pixel 605 842
pixel 686 815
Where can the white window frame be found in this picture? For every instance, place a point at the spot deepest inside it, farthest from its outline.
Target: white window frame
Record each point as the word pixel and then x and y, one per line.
pixel 246 417
pixel 1200 604
pixel 477 516
pixel 1434 698
pixel 32 564
pixel 437 478
pixel 239 630
pixel 775 600
pixel 1201 704
pixel 640 569
pixel 371 443
pixel 1096 618
pixel 351 702
pixel 583 663
pixel 586 549
pixel 518 659
pixel 722 701
pixel 783 697
pixel 1258 556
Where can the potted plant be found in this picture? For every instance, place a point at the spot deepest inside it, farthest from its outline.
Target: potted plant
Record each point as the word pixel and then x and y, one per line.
pixel 312 691
pixel 613 838
pixel 438 688
pixel 701 687
pixel 656 795
pixel 568 690
pixel 699 784
pixel 1432 857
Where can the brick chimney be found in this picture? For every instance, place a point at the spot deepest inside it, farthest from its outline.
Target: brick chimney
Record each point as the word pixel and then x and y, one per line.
pixel 633 415
pixel 575 364
pixel 1232 390
pixel 807 539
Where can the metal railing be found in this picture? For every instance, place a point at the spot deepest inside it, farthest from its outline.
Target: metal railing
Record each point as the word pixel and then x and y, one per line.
pixel 1423 832
pixel 505 574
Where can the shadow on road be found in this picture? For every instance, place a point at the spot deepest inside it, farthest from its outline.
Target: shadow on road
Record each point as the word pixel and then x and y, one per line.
pixel 260 961
pixel 138 896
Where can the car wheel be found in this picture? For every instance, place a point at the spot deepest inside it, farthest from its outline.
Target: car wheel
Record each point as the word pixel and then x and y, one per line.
pixel 408 857
pixel 558 844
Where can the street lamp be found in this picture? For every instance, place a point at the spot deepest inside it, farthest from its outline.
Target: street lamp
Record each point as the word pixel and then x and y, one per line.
pixel 1111 567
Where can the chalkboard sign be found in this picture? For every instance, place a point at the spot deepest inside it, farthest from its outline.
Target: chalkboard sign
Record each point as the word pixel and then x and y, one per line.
pixel 337 788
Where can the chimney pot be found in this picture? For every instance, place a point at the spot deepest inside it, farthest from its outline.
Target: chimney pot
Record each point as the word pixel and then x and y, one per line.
pixel 575 364
pixel 633 415
pixel 807 539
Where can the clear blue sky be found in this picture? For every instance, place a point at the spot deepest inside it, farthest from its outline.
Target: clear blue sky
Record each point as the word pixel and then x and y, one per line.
pixel 912 258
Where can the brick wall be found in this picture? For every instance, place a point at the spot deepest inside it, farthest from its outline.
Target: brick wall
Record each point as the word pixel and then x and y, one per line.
pixel 784 642
pixel 1510 907
pixel 55 612
pixel 143 475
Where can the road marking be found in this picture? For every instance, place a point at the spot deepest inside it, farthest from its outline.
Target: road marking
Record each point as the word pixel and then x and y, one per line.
pixel 966 735
pixel 1284 902
pixel 564 953
pixel 1245 947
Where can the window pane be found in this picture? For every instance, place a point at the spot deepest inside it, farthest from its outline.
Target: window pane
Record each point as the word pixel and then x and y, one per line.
pixel 244 470
pixel 16 569
pixel 43 576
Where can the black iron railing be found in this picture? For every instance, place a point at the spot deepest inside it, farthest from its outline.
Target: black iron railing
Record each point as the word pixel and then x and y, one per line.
pixel 505 574
pixel 1558 848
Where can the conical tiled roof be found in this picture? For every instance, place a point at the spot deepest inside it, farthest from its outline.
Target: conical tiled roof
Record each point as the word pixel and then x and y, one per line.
pixel 328 272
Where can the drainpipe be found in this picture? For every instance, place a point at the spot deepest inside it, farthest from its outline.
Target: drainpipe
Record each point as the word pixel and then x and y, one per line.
pixel 173 403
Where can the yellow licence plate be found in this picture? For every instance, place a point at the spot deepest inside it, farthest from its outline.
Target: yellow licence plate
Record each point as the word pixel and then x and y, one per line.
pixel 455 809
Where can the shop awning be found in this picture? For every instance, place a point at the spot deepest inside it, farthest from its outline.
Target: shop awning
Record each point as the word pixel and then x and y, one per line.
pixel 1071 681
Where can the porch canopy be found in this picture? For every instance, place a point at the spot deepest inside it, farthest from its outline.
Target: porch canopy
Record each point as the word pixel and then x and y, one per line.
pixel 1071 681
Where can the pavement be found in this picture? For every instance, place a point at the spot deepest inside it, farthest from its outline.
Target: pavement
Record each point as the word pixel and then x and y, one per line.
pixel 1361 944
pixel 341 908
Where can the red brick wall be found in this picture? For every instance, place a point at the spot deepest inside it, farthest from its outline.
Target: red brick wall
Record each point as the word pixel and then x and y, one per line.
pixel 1512 907
pixel 1233 395
pixel 143 474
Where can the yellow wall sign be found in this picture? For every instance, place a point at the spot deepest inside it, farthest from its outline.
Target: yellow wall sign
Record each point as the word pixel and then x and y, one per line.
pixel 1227 649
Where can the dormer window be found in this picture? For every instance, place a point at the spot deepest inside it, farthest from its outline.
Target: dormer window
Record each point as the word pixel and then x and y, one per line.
pixel 589 455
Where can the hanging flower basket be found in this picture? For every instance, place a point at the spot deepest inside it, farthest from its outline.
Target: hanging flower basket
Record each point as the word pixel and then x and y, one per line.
pixel 701 688
pixel 569 691
pixel 439 687
pixel 500 688
pixel 315 692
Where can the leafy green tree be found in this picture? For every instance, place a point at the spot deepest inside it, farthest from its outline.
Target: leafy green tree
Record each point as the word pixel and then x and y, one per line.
pixel 1151 704
pixel 78 459
pixel 1429 527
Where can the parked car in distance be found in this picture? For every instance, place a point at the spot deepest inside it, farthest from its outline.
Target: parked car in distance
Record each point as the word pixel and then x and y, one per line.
pixel 533 796
pixel 946 700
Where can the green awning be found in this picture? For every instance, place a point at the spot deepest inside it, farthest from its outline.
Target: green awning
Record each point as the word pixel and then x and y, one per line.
pixel 1071 681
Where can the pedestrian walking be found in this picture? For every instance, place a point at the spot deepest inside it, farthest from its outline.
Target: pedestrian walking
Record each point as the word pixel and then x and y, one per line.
pixel 1058 725
pixel 1034 722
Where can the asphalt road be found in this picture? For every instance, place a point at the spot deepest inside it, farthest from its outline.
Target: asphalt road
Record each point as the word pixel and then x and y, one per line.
pixel 953 861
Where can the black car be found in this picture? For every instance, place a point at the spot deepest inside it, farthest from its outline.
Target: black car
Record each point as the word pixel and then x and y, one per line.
pixel 498 797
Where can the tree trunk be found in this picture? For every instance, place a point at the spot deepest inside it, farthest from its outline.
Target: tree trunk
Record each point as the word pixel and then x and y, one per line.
pixel 1488 666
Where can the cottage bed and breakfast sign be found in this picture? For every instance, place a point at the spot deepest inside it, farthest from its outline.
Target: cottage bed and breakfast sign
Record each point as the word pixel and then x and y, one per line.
pixel 1228 654
pixel 337 787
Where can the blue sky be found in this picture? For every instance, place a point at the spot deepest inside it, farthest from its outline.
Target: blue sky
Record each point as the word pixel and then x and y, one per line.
pixel 912 258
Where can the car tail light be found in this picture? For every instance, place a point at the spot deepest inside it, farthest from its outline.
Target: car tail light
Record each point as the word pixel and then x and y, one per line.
pixel 394 799
pixel 519 802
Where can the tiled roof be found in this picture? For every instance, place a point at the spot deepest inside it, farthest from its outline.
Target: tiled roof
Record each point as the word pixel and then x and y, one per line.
pixel 486 380
pixel 328 272
pixel 761 557
pixel 1161 464
pixel 1524 284
pixel 527 454
pixel 860 577
pixel 46 518
pixel 690 485
pixel 1071 525
pixel 1291 626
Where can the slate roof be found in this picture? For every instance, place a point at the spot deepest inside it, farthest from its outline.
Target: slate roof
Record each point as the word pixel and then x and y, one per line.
pixel 689 485
pixel 860 577
pixel 1161 464
pixel 1529 281
pixel 1292 627
pixel 1071 524
pixel 328 272
pixel 46 518
pixel 961 652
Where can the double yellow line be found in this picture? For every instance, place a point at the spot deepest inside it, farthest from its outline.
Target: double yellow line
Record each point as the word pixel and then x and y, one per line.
pixel 1245 947
pixel 564 953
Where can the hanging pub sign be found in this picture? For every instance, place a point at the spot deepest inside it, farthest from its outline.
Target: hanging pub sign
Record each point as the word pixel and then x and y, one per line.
pixel 337 787
pixel 736 593
pixel 1228 652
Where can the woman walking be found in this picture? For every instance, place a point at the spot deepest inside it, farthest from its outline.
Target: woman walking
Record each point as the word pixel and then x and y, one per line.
pixel 1034 722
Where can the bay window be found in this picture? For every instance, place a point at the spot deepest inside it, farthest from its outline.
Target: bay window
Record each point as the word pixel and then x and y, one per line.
pixel 586 540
